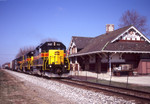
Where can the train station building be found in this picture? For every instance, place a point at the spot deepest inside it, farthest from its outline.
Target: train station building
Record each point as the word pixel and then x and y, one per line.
pixel 122 49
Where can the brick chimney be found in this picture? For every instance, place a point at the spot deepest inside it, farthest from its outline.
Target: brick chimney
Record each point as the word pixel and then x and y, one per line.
pixel 109 28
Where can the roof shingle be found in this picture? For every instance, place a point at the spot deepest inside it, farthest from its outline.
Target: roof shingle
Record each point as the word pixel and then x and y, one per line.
pixel 81 42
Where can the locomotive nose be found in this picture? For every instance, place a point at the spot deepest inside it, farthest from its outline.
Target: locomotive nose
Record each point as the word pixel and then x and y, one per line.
pixel 59 71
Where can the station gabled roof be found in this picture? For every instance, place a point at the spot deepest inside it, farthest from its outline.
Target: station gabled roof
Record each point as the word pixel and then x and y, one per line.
pixel 81 42
pixel 108 42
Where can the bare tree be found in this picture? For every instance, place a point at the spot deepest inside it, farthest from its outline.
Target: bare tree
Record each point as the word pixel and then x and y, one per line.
pixel 24 51
pixel 135 19
pixel 48 40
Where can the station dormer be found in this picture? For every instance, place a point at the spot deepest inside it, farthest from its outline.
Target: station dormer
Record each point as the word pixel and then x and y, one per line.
pixel 72 48
pixel 78 43
pixel 131 35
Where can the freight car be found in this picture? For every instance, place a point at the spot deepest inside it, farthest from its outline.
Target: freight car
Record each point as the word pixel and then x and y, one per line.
pixel 48 59
pixel 6 66
pixel 14 65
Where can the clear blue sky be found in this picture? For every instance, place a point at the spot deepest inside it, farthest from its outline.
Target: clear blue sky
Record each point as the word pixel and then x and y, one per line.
pixel 27 22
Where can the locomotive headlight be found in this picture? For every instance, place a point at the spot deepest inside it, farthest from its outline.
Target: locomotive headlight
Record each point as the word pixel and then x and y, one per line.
pixel 50 66
pixel 65 66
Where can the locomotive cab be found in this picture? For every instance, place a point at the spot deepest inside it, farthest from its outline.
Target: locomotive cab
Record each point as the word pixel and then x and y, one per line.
pixel 54 60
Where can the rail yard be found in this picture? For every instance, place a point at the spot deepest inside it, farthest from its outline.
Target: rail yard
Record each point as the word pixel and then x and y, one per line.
pixel 46 90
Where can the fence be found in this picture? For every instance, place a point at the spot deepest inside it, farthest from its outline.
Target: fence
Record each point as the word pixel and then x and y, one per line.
pixel 130 82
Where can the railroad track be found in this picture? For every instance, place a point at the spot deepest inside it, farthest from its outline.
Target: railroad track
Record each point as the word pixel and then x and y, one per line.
pixel 111 89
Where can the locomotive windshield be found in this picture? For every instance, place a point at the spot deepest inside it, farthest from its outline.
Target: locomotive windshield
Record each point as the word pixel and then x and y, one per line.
pixel 53 46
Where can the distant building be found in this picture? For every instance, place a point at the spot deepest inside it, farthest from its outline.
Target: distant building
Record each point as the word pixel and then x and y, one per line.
pixel 122 49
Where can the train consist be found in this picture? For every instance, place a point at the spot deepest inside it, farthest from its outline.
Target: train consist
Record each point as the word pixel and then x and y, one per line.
pixel 48 59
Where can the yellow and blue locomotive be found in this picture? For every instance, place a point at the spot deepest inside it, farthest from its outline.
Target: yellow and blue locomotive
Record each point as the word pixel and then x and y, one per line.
pixel 48 59
pixel 27 62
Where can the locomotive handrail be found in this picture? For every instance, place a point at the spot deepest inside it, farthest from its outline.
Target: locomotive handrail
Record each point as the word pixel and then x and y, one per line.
pixel 50 59
pixel 68 63
pixel 45 62
pixel 60 59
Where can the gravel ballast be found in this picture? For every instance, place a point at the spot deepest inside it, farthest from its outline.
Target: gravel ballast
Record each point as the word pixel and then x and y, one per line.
pixel 72 94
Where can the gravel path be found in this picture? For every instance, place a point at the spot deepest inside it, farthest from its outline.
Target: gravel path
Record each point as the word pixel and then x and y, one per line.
pixel 66 94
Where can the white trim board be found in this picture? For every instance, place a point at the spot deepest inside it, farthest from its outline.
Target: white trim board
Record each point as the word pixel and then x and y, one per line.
pixel 108 51
pixel 128 30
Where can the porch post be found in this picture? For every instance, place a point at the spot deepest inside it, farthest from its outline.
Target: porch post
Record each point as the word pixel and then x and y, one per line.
pixel 87 63
pixel 71 65
pixel 76 62
pixel 109 61
pixel 98 63
pixel 70 60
